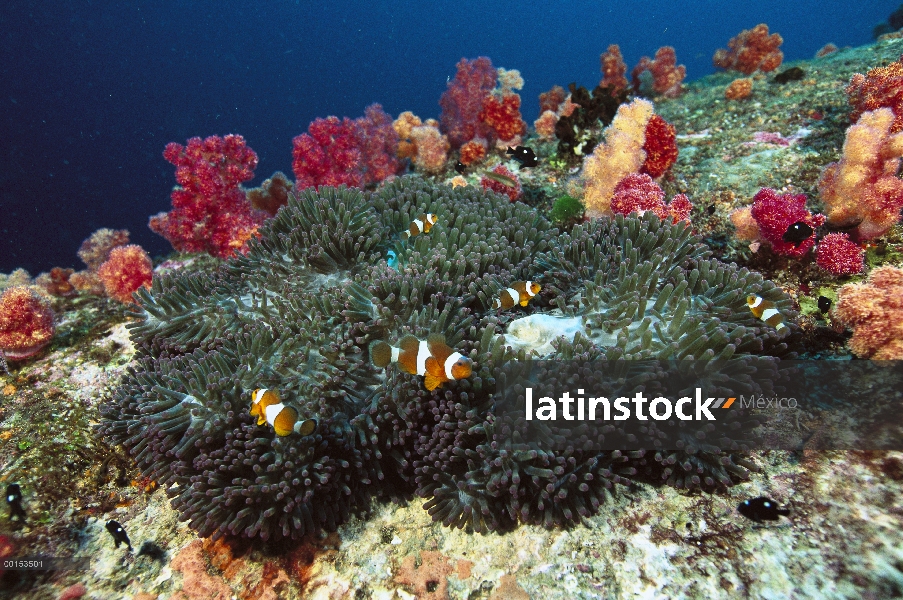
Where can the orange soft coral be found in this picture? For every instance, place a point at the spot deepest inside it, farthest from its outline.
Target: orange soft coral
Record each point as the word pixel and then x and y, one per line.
pixel 863 189
pixel 127 269
pixel 472 152
pixel 881 88
pixel 614 70
pixel 404 124
pixel 667 75
pixel 502 114
pixel 875 312
pixel 739 89
pixel 432 148
pixel 26 323
pixel 751 50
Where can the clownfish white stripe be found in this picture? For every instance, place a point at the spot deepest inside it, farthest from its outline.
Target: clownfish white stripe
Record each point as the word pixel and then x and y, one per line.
pixel 768 313
pixel 529 289
pixel 423 353
pixel 395 353
pixel 272 411
pixel 515 295
pixel 757 302
pixel 419 224
pixel 450 362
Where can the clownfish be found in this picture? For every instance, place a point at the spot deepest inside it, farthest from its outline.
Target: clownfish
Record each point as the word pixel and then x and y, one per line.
pixel 765 310
pixel 520 292
pixel 268 408
pixel 433 359
pixel 421 224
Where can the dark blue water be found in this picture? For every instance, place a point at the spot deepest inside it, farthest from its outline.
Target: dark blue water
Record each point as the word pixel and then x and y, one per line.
pixel 93 91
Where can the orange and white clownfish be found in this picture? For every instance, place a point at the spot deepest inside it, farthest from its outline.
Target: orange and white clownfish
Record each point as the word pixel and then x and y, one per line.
pixel 520 292
pixel 765 310
pixel 268 408
pixel 433 359
pixel 421 224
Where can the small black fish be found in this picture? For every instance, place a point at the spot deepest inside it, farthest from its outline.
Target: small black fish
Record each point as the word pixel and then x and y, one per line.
pixel 152 550
pixel 119 534
pixel 797 233
pixel 459 167
pixel 791 74
pixel 14 499
pixel 711 209
pixel 761 509
pixel 523 155
pixel 824 304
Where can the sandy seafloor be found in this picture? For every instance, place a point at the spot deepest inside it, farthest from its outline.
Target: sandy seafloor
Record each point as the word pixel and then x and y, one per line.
pixel 844 538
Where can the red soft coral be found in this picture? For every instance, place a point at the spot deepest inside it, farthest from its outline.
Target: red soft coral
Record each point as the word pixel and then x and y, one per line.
pixel 502 114
pixel 751 50
pixel 328 154
pixel 378 143
pixel 26 323
pixel 660 146
pixel 512 191
pixel 639 193
pixel 614 70
pixel 210 211
pixel 837 254
pixel 882 87
pixel 552 99
pixel 667 75
pixel 463 100
pixel 775 213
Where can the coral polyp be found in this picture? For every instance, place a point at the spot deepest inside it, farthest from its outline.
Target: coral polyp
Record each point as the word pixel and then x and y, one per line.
pixel 297 314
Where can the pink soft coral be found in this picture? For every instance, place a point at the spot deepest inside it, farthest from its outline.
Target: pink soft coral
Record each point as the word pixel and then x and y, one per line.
pixel 775 213
pixel 639 193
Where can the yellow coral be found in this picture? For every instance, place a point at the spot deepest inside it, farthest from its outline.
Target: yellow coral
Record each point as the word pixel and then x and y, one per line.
pixel 863 187
pixel 620 155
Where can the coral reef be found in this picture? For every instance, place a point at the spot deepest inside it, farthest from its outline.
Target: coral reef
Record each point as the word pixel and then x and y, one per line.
pixel 502 181
pixel 472 152
pixel 210 211
pixel 26 323
pixel 873 309
pixel 751 50
pixel 299 310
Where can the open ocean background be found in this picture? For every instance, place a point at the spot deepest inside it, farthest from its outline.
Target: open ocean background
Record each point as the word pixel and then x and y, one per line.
pixel 93 91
